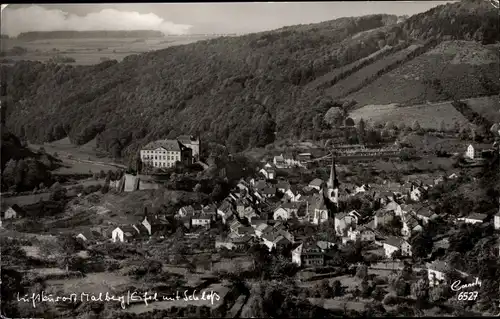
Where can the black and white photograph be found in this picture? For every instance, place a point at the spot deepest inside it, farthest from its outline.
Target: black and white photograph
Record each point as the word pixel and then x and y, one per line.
pixel 250 160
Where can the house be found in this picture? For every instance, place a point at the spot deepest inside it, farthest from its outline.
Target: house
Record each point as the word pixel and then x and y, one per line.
pixel 343 222
pixel 268 192
pixel 475 152
pixel 283 186
pixel 293 195
pixel 274 240
pixel 497 220
pixel 417 194
pixel 394 207
pixel 286 211
pixel 383 217
pixel 165 153
pixel 201 220
pixel 303 158
pixel 475 218
pixel 393 244
pixel 268 172
pixel 210 210
pixel 361 189
pixel 193 142
pixel 262 229
pixel 257 222
pixel 260 185
pixel 424 214
pixel 279 161
pixel 125 233
pixel 362 234
pixel 238 243
pixel 325 245
pixel 453 176
pixel 308 254
pixel 186 211
pixel 410 225
pixel 290 161
pixel 234 225
pixel 225 211
pixel 248 213
pixel 88 235
pixel 13 212
pixel 316 184
pixel 385 197
pixel 436 272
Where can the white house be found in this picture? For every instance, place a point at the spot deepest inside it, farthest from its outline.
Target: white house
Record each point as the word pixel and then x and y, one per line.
pixel 13 212
pixel 473 218
pixel 363 234
pixel 225 211
pixel 124 233
pixel 308 254
pixel 436 272
pixel 410 225
pixel 416 194
pixel 497 220
pixel 286 211
pixel 268 172
pixel 474 152
pixel 393 244
pixel 343 222
pixel 293 196
pixel 361 189
pixel 202 220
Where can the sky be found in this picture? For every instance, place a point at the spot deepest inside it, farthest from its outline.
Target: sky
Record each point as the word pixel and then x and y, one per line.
pixel 192 18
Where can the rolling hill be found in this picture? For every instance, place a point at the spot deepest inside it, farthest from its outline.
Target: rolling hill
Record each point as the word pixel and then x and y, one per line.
pixel 246 91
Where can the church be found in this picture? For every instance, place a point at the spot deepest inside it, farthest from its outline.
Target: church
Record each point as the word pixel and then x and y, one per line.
pixel 328 198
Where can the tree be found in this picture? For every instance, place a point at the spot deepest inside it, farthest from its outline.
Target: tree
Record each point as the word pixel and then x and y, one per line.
pixel 337 289
pixel 334 116
pixel 421 245
pixel 442 126
pixel 420 290
pixel 361 131
pixel 362 272
pixel 415 126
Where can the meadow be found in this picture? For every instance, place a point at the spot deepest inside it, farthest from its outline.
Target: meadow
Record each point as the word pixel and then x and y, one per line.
pixel 429 115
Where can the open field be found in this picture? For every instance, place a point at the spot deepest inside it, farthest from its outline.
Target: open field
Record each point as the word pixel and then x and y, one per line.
pixel 91 283
pixel 92 51
pixel 429 115
pixel 357 80
pixel 487 106
pixel 77 159
pixel 461 68
pixel 25 200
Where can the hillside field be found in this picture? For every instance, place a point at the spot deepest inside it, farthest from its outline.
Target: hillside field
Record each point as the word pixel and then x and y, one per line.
pixel 487 106
pixel 429 116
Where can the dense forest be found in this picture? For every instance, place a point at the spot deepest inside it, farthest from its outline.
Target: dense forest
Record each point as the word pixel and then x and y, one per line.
pixel 241 91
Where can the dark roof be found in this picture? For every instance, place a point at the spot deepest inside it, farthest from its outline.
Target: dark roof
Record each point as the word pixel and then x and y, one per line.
pixel 394 241
pixel 128 230
pixel 18 209
pixel 426 212
pixel 283 184
pixel 269 190
pixel 169 145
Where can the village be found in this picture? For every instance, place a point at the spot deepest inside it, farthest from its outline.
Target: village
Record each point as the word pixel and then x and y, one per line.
pixel 305 225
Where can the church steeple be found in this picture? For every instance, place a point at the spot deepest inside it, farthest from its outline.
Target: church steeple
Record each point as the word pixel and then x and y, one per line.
pixel 333 182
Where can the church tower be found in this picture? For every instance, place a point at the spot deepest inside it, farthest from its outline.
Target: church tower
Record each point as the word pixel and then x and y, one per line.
pixel 333 184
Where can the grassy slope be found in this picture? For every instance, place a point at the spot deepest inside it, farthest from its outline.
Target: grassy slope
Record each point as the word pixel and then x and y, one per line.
pixel 459 66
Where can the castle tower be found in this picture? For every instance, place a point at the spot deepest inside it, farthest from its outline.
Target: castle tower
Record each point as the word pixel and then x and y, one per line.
pixel 333 184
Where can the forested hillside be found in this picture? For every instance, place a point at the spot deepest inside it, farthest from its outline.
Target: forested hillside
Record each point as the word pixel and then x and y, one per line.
pixel 237 90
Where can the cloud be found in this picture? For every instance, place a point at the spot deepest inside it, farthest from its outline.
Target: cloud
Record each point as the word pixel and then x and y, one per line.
pixel 35 18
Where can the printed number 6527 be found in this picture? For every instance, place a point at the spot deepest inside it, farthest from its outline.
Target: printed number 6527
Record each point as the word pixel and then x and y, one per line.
pixel 464 295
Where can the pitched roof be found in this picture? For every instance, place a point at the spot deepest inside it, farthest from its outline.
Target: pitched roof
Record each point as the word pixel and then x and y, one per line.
pixel 128 230
pixel 438 265
pixel 316 182
pixel 169 145
pixel 394 241
pixel 279 158
pixel 425 211
pixel 477 216
pixel 269 191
